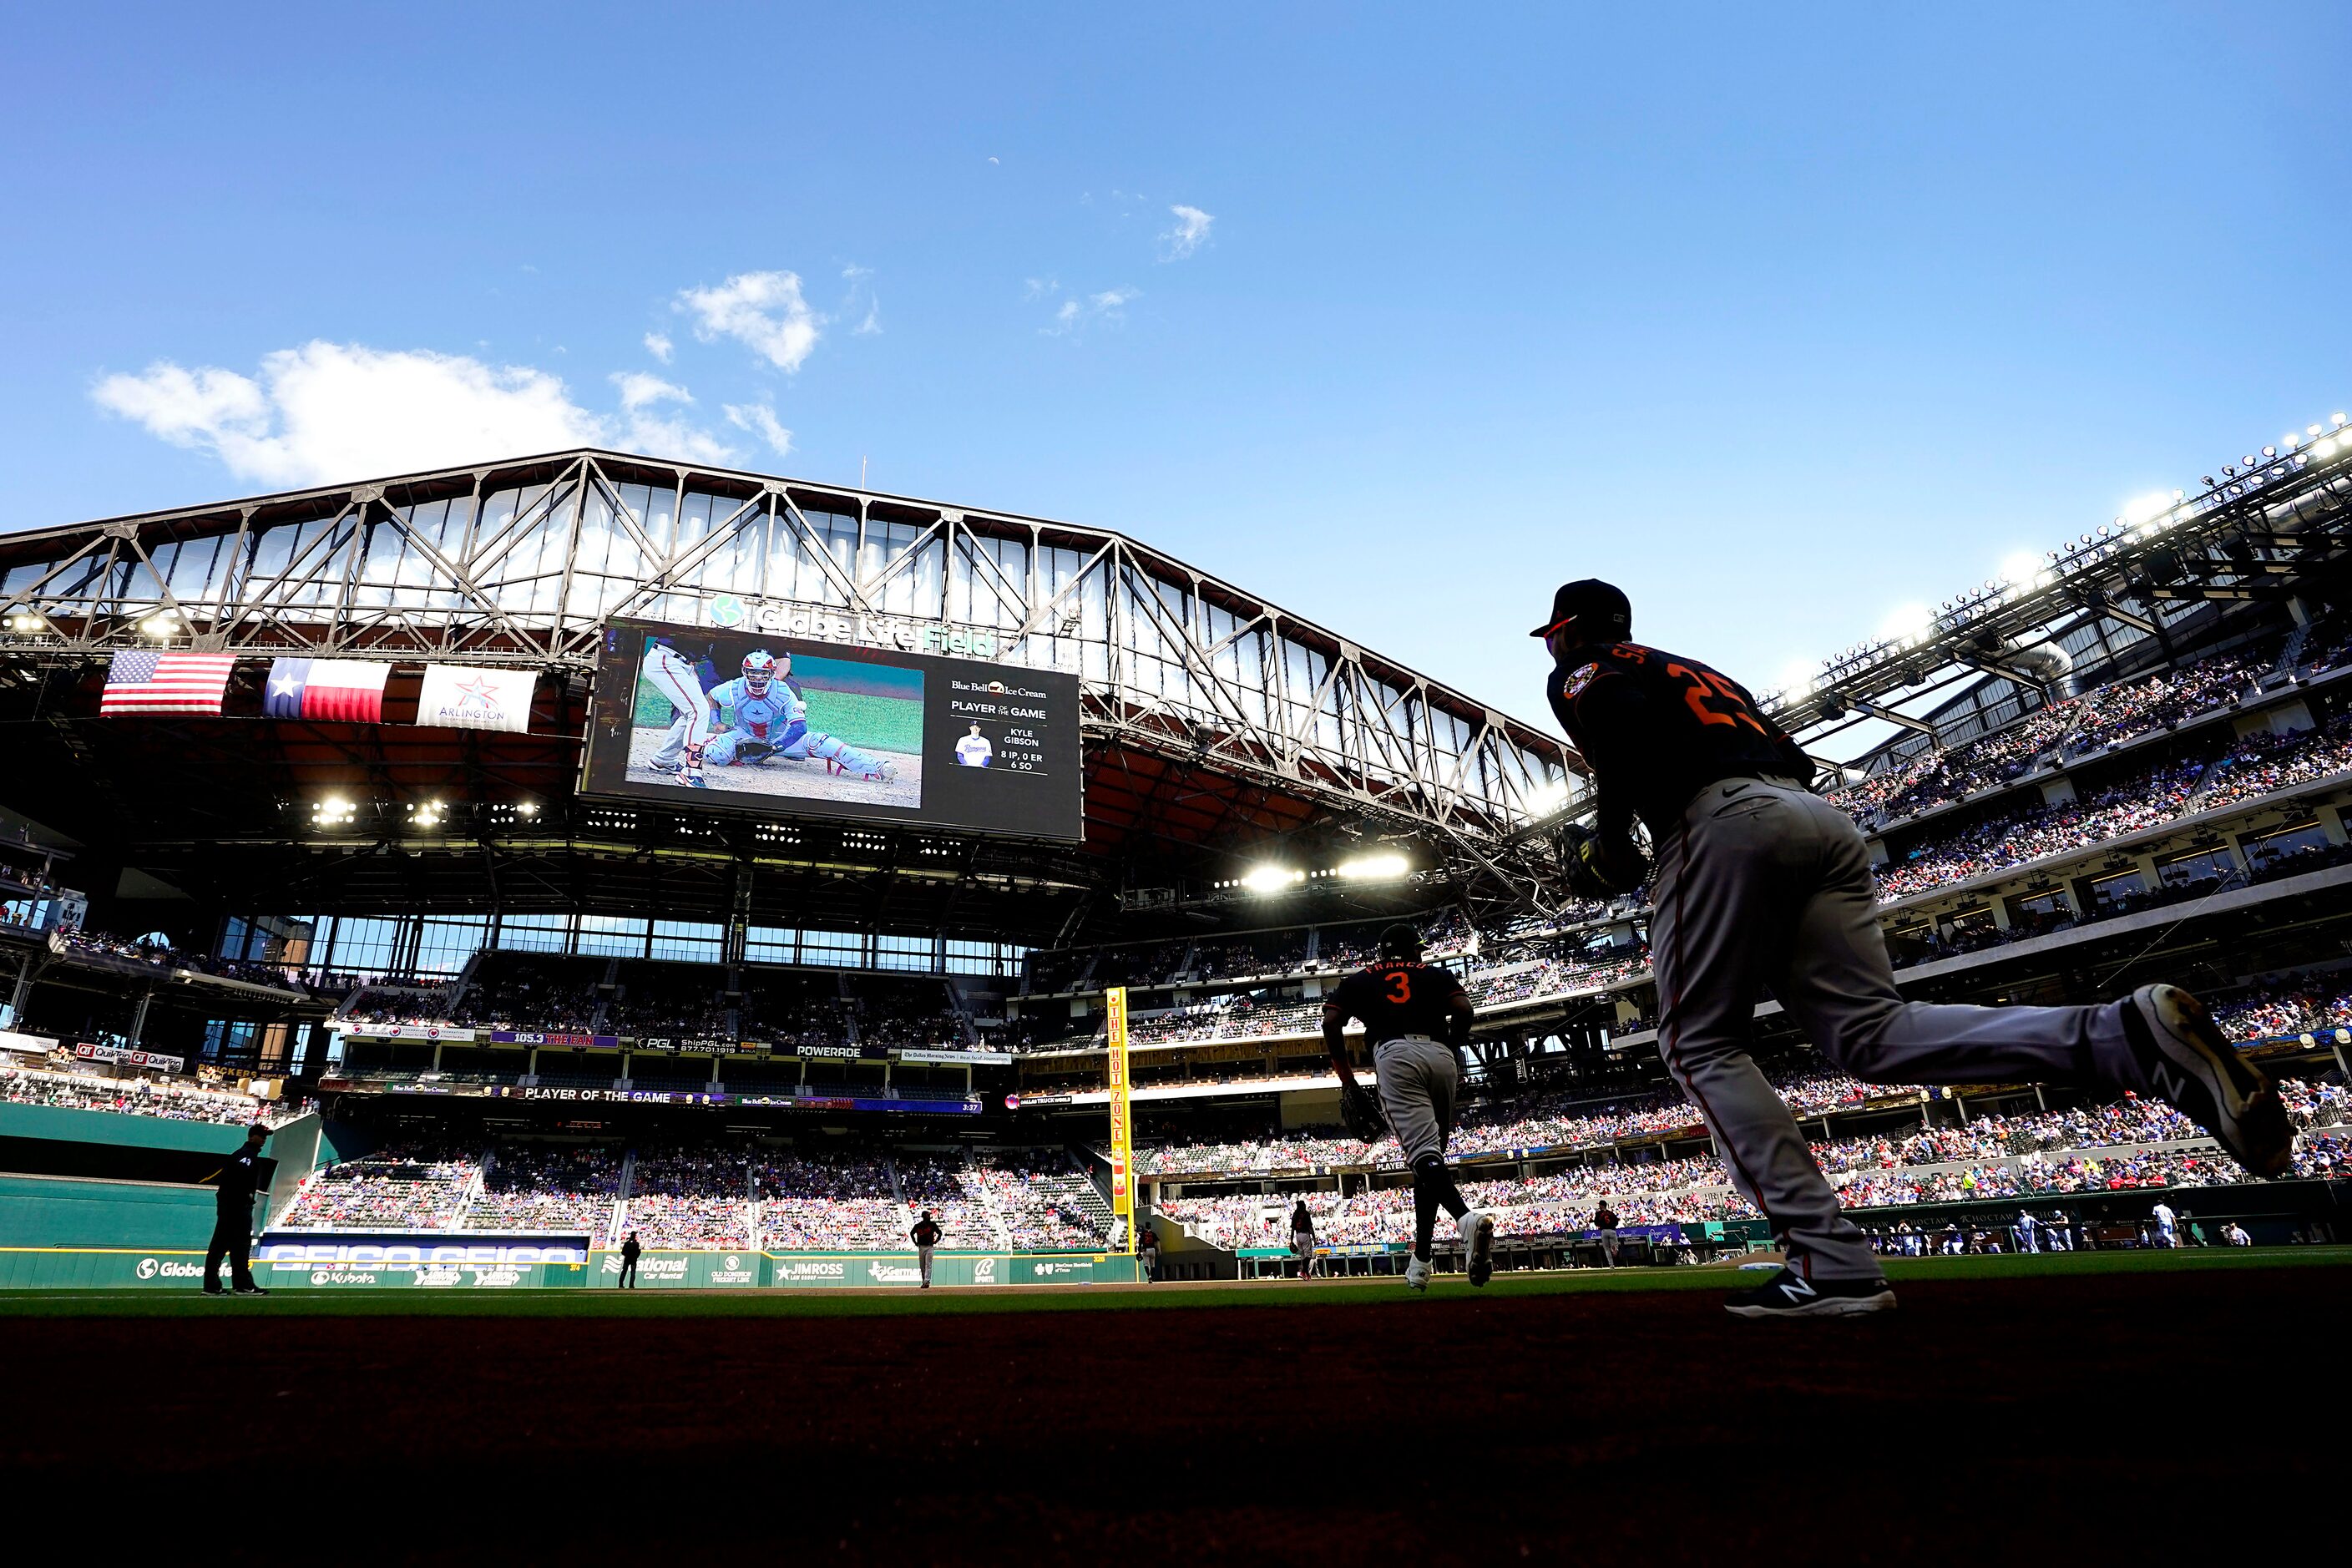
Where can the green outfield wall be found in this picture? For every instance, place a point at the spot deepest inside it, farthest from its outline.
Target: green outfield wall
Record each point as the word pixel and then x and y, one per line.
pixel 65 1211
pixel 24 1268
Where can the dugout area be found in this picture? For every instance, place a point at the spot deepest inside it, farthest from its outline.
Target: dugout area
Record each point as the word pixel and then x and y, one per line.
pixel 2101 1406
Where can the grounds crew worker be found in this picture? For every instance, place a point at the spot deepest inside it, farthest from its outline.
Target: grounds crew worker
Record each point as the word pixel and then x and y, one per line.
pixel 1761 881
pixel 232 1218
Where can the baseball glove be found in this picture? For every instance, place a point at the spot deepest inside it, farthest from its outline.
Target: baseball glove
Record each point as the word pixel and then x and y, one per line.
pixel 1362 1111
pixel 1597 869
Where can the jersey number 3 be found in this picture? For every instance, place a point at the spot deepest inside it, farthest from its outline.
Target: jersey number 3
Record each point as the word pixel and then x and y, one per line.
pixel 1400 986
pixel 1714 699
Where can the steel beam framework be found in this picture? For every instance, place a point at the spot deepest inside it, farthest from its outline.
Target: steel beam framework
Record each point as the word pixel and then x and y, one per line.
pixel 524 562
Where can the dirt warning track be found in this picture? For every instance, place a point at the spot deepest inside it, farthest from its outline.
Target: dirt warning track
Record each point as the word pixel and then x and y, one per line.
pixel 2104 1415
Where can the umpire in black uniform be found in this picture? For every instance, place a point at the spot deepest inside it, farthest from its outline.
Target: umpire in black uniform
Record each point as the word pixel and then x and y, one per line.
pixel 232 1218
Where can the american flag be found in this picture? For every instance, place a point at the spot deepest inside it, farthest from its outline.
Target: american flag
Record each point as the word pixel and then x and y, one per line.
pixel 166 683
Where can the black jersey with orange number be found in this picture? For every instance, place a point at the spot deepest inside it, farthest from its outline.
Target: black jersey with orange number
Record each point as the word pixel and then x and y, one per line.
pixel 1396 998
pixel 1657 728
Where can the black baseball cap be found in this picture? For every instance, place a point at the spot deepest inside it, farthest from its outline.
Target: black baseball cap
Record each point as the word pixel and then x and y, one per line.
pixel 1588 596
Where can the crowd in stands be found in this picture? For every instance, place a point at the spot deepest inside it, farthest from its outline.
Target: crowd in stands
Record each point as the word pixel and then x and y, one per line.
pixel 693 1196
pixel 2123 709
pixel 948 1190
pixel 410 1190
pixel 892 1011
pixel 813 1199
pixel 675 1000
pixel 2109 1147
pixel 2070 728
pixel 138 1097
pixel 549 1189
pixel 533 991
pixel 793 1008
pixel 153 948
pixel 1040 1208
pixel 393 1004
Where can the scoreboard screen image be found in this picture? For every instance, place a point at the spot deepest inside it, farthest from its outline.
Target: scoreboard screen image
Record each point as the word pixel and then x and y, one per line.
pixel 781 726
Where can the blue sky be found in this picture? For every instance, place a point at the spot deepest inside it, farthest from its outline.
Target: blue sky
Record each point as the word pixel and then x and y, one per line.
pixel 1780 320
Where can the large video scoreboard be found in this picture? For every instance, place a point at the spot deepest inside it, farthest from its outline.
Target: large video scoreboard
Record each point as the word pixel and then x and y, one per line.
pixel 785 727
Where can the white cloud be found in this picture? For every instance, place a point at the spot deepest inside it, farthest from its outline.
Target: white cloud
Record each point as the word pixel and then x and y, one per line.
pixel 1192 231
pixel 1039 288
pixel 761 420
pixel 638 390
pixel 329 412
pixel 659 345
pixel 861 292
pixel 763 310
pixel 658 438
pixel 1107 308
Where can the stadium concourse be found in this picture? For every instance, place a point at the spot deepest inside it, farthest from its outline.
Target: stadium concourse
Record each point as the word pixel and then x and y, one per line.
pixel 503 1001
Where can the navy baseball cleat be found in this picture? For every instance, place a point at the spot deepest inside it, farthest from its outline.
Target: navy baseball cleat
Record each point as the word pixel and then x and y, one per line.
pixel 2189 1062
pixel 1479 1246
pixel 1788 1294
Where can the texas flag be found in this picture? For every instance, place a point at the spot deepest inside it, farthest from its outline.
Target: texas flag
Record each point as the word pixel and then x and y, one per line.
pixel 351 689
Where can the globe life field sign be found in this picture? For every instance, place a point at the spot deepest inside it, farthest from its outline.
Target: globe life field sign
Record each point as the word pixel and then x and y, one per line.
pixel 776 725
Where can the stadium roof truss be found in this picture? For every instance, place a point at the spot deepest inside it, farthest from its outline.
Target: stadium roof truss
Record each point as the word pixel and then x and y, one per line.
pixel 522 562
pixel 2281 528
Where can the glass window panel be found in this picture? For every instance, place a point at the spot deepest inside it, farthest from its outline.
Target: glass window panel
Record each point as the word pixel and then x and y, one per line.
pixel 446 941
pixel 612 936
pixel 770 944
pixel 694 941
pixel 841 949
pixel 535 934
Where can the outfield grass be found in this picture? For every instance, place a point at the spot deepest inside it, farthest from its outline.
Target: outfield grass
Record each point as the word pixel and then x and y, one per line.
pixel 592 1303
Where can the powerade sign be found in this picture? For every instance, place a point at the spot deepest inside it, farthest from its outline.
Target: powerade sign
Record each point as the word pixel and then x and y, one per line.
pixel 299 1249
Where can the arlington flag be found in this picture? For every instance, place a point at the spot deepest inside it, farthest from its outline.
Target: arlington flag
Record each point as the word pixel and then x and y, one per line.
pixel 351 689
pixel 467 697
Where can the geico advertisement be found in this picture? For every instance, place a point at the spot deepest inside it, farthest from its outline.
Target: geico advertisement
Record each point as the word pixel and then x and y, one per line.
pixel 341 1253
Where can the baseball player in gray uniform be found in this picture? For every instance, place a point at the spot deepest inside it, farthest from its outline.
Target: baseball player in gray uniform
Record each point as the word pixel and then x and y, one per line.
pixel 1414 1017
pixel 766 717
pixel 1758 880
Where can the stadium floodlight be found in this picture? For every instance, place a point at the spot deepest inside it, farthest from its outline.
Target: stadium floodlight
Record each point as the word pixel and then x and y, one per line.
pixel 2148 508
pixel 2339 420
pixel 160 625
pixel 26 621
pixel 1382 867
pixel 332 811
pixel 2020 569
pixel 1262 879
pixel 527 808
pixel 1908 624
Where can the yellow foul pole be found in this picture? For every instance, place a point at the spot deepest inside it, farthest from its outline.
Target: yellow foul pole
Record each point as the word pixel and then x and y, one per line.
pixel 1122 1152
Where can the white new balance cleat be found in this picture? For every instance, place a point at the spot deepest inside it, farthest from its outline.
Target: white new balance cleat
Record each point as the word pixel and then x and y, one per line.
pixel 1416 1273
pixel 887 772
pixel 1788 1294
pixel 1478 1246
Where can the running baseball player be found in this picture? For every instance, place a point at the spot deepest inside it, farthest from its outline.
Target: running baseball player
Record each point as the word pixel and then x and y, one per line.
pixel 766 716
pixel 1759 880
pixel 1414 1014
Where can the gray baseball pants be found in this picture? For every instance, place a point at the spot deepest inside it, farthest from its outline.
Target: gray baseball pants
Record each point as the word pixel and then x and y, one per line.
pixel 1417 1076
pixel 1763 881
